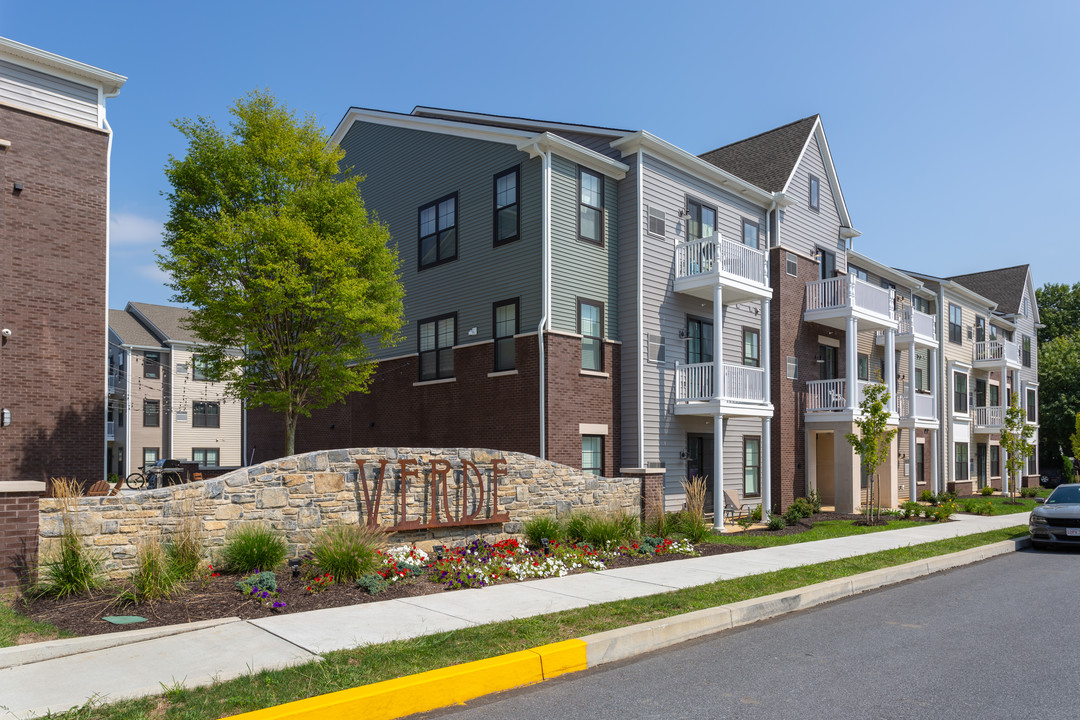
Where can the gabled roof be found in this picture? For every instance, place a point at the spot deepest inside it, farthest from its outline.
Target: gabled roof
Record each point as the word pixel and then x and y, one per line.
pixel 767 159
pixel 165 321
pixel 1004 286
pixel 109 82
pixel 131 331
pixel 520 123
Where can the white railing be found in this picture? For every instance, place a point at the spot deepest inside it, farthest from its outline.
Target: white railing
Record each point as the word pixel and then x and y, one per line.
pixel 995 350
pixel 117 382
pixel 925 406
pixel 694 383
pixel 847 291
pixel 990 416
pixel 826 395
pixel 918 322
pixel 698 257
pixel 110 429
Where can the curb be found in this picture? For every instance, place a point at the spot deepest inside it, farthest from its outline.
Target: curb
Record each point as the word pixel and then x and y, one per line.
pixel 459 683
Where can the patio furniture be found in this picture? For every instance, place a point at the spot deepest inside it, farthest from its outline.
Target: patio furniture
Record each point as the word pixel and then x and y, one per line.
pixel 733 510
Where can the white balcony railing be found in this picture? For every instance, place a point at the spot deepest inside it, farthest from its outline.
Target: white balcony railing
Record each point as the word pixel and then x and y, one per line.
pixel 698 257
pixel 694 383
pixel 117 382
pixel 990 416
pixel 832 394
pixel 849 292
pixel 110 429
pixel 919 323
pixel 997 351
pixel 925 406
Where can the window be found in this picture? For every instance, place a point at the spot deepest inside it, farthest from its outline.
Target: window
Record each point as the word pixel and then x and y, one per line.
pixel 657 349
pixel 1033 464
pixel 120 417
pixel 980 328
pixel 751 233
pixel 205 414
pixel 751 466
pixel 592 454
pixel 702 221
pixel 920 380
pixel 591 329
pixel 992 392
pixel 815 193
pixel 961 461
pixel 792 264
pixel 858 272
pixel 1025 350
pixel 657 222
pixel 149 456
pixel 505 321
pixel 960 398
pixel 151 413
pixel 699 341
pixel 864 367
pixel 921 304
pixel 205 456
pixel 826 264
pixel 437 337
pixel 505 221
pixel 1032 402
pixel 887 284
pixel 1024 307
pixel 920 462
pixel 751 354
pixel 200 368
pixel 792 368
pixel 993 332
pixel 956 324
pixel 828 354
pixel 995 461
pixel 980 393
pixel 151 365
pixel 438 231
pixel 591 210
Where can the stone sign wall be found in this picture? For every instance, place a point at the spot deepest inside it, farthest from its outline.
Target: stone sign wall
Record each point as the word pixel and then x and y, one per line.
pixel 441 496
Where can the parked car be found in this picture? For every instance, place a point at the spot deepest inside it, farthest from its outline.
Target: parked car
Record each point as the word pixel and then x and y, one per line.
pixel 1057 520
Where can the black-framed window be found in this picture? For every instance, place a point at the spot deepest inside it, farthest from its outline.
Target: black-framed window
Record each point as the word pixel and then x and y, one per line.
pixel 1033 464
pixel 961 454
pixel 151 413
pixel 826 264
pixel 887 284
pixel 1025 350
pixel 592 454
pixel 992 395
pixel 151 365
pixel 590 206
pixel 591 329
pixel 815 193
pixel 864 367
pixel 702 220
pixel 699 341
pixel 751 344
pixel 200 368
pixel 858 272
pixel 980 328
pixel 980 392
pixel 206 456
pixel 150 456
pixel 1032 405
pixel 751 233
pixel 751 466
pixel 436 338
pixel 437 223
pixel 829 363
pixel 956 324
pixel 921 304
pixel 995 461
pixel 205 414
pixel 506 220
pixel 960 394
pixel 504 318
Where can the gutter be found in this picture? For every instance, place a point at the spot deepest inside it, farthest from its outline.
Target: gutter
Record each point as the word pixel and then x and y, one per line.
pixel 640 310
pixel 108 212
pixel 534 150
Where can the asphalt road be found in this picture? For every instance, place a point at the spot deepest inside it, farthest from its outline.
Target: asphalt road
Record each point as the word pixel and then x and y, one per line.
pixel 992 640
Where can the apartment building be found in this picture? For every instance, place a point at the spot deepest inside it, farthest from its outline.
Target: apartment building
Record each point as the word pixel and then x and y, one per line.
pixel 160 404
pixel 54 165
pixel 605 299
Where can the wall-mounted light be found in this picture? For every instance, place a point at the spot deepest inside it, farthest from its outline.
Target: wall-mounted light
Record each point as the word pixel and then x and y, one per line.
pixel 472 331
pixel 684 213
pixel 16 188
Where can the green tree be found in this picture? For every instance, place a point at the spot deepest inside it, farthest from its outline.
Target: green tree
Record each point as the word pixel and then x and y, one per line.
pixel 1059 310
pixel 1059 395
pixel 873 441
pixel 287 277
pixel 1016 436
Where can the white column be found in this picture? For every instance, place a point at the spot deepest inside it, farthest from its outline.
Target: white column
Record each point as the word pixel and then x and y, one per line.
pixel 718 340
pixel 911 379
pixel 718 473
pixel 766 422
pixel 913 474
pixel 1004 403
pixel 851 371
pixel 935 479
pixel 890 368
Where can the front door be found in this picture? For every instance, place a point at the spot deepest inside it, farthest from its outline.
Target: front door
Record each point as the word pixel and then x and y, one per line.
pixel 700 463
pixel 920 471
pixel 980 462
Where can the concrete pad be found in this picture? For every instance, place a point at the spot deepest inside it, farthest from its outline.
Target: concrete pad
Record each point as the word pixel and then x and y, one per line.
pixel 342 628
pixel 200 657
pixel 496 603
pixel 628 642
pixel 597 587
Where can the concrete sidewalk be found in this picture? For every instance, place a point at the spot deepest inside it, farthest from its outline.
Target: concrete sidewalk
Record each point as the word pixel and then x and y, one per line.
pixel 61 674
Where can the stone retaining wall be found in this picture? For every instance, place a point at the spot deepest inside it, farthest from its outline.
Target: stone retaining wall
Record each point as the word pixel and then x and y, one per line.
pixel 302 493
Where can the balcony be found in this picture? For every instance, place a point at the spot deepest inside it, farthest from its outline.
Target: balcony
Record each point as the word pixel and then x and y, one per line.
pixel 110 429
pixel 742 271
pixel 917 326
pixel 833 300
pixel 993 354
pixel 828 395
pixel 989 419
pixel 925 407
pixel 117 383
pixel 742 386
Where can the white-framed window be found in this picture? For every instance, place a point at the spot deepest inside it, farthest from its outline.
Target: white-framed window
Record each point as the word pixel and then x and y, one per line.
pixel 591 206
pixel 815 193
pixel 592 454
pixel 792 264
pixel 751 233
pixel 206 456
pixel 751 466
pixel 150 456
pixel 792 368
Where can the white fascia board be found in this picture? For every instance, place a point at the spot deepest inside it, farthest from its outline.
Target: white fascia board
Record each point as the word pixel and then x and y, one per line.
pixel 964 295
pixel 818 132
pixel 433 125
pixel 1002 322
pixel 41 60
pixel 546 142
pixel 684 160
pixel 884 271
pixel 422 111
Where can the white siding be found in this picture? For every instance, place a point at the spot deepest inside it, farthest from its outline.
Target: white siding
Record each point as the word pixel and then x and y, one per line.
pixel 186 391
pixel 48 94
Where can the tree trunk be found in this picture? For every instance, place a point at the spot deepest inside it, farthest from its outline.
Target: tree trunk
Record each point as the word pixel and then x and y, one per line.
pixel 290 433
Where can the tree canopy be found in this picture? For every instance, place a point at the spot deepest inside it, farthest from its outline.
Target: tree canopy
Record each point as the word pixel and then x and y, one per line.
pixel 1059 395
pixel 269 243
pixel 1059 310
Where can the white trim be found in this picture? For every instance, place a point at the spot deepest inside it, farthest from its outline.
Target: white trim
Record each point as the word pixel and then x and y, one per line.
pixel 884 271
pixel 473 344
pixel 831 342
pixel 524 334
pixel 502 373
pixel 594 373
pixel 641 307
pixel 42 60
pixel 546 142
pixel 22 486
pixel 818 132
pixel 52 116
pixel 592 429
pixel 440 381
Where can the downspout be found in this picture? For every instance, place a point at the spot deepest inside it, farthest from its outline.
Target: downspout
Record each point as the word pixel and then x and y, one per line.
pixel 545 319
pixel 943 404
pixel 108 210
pixel 640 312
pixel 766 354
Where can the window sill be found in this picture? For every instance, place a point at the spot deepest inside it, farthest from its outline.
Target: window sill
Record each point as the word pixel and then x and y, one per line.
pixel 440 381
pixel 502 373
pixel 594 373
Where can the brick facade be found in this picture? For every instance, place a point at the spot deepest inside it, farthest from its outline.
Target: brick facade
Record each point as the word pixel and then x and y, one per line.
pixel 18 541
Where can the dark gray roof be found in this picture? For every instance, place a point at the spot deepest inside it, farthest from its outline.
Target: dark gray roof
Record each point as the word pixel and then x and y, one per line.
pixel 1004 286
pixel 130 331
pixel 766 160
pixel 166 321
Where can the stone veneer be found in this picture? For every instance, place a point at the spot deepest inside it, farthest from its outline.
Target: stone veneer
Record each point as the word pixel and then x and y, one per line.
pixel 302 493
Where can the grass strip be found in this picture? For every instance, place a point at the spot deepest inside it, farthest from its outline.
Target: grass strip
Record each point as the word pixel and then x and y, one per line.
pixel 374 663
pixel 823 530
pixel 14 626
pixel 999 504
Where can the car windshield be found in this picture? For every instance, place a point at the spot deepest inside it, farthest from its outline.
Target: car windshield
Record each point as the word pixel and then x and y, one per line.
pixel 1064 494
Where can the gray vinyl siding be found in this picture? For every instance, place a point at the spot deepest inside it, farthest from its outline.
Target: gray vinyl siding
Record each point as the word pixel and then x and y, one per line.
pixel 802 229
pixel 48 94
pixel 405 169
pixel 581 269
pixel 629 223
pixel 596 143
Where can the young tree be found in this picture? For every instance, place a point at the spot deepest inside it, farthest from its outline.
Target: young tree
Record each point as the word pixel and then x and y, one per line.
pixel 1016 437
pixel 287 276
pixel 873 441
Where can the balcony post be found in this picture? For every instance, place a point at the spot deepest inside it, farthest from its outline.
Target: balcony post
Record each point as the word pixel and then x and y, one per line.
pixel 718 342
pixel 890 369
pixel 766 422
pixel 932 378
pixel 851 353
pixel 911 382
pixel 935 436
pixel 718 473
pixel 913 472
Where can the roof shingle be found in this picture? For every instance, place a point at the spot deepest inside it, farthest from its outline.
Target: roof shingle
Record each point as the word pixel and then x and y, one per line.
pixel 766 160
pixel 131 331
pixel 1004 286
pixel 167 320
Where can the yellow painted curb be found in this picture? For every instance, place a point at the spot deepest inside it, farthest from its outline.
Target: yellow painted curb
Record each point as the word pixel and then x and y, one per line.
pixel 434 688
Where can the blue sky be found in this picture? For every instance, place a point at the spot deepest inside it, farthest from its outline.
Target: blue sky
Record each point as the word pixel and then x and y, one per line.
pixel 951 123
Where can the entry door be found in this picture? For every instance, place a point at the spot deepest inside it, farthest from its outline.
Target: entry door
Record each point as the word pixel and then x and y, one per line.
pixel 980 461
pixel 700 462
pixel 920 471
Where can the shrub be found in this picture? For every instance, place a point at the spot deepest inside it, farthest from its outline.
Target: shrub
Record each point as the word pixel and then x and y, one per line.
pixel 928 511
pixel 371 584
pixel 264 580
pixel 815 500
pixel 803 506
pixel 73 568
pixel 776 522
pixel 755 514
pixel 185 549
pixel 792 515
pixel 574 528
pixel 155 575
pixel 911 508
pixel 1029 492
pixel 347 551
pixel 943 511
pixel 603 531
pixel 658 524
pixel 540 527
pixel 926 496
pixel 629 525
pixel 987 490
pixel 252 546
pixel 745 522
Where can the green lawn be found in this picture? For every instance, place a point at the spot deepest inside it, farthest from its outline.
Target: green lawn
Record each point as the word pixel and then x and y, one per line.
pixel 999 504
pixel 374 663
pixel 13 625
pixel 821 531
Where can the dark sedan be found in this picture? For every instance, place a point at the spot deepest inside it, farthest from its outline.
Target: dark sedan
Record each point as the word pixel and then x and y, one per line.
pixel 1057 521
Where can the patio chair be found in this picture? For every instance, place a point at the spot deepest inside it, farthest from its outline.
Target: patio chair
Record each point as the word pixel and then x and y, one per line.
pixel 733 509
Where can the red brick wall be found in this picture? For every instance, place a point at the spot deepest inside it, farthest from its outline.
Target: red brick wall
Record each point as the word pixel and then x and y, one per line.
pixel 18 541
pixel 573 398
